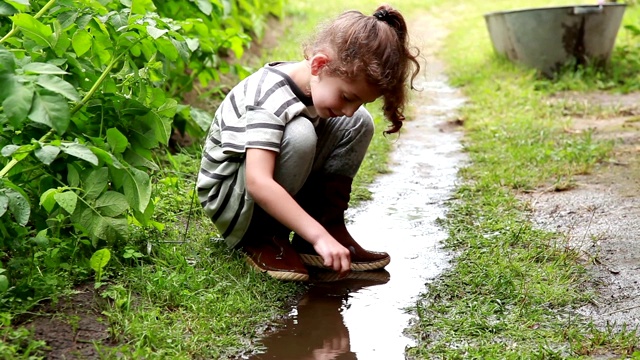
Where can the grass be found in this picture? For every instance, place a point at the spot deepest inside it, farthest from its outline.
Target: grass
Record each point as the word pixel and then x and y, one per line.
pixel 513 289
pixel 194 298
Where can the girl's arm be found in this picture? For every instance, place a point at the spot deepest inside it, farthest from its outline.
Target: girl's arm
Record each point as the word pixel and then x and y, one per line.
pixel 277 202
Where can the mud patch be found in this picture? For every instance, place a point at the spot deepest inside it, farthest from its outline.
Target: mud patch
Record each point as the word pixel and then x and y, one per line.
pixel 601 215
pixel 71 327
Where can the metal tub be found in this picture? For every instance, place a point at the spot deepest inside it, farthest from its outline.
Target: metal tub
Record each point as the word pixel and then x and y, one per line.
pixel 548 38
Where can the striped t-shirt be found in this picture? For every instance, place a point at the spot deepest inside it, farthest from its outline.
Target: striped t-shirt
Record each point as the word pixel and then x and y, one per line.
pixel 252 115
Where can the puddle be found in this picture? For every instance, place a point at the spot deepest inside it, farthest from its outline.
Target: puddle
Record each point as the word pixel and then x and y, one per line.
pixel 364 317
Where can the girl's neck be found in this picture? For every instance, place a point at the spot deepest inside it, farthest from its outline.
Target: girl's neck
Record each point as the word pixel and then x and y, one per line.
pixel 300 73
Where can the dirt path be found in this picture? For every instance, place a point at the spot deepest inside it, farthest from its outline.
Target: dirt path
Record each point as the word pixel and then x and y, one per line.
pixel 601 214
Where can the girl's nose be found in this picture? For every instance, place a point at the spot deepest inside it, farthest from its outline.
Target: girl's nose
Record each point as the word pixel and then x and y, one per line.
pixel 350 109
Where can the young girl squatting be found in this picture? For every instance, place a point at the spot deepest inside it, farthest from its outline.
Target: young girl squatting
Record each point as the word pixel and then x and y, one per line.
pixel 287 141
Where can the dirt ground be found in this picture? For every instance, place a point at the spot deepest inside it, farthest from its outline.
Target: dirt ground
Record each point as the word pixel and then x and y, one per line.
pixel 72 326
pixel 600 216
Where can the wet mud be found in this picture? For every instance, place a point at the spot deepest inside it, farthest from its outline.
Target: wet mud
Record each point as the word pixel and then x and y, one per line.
pixel 365 316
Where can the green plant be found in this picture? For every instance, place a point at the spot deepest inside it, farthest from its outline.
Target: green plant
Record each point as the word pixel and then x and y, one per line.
pixel 90 93
pixel 98 261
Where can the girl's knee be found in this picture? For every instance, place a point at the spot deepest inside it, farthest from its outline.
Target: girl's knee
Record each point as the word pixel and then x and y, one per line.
pixel 364 122
pixel 300 138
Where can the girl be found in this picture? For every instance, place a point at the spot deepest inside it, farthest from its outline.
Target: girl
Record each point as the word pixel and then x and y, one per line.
pixel 287 141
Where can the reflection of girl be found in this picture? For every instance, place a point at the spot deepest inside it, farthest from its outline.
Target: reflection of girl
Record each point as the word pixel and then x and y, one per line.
pixel 299 129
pixel 317 331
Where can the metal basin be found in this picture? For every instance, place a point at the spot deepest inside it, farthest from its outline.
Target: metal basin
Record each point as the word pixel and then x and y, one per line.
pixel 548 38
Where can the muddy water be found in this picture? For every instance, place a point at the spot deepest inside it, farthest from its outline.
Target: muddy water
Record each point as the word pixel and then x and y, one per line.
pixel 364 316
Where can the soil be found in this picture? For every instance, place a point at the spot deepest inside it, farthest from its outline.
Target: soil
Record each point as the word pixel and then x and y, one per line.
pixel 71 326
pixel 599 216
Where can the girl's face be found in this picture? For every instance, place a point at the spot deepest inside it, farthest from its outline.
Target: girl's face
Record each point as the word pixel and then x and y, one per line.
pixel 333 96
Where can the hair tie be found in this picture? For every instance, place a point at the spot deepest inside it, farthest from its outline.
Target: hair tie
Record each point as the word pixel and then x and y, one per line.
pixel 381 15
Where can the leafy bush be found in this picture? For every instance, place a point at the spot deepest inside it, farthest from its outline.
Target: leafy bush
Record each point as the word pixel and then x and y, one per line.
pixel 90 90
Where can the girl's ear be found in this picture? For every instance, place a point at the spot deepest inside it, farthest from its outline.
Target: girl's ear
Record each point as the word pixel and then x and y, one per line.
pixel 318 61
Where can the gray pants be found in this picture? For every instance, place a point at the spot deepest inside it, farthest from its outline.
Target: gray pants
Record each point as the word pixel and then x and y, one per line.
pixel 335 146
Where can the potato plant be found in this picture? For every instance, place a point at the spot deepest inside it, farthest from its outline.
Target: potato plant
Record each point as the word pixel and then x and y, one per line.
pixel 90 89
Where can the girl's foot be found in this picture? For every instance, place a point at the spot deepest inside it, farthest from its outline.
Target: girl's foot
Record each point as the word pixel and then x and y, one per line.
pixel 276 257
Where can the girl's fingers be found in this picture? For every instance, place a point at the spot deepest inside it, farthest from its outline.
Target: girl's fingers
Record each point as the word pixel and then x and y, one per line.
pixel 346 264
pixel 338 261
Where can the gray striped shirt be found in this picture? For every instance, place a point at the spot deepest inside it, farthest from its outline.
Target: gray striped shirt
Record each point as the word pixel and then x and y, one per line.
pixel 252 115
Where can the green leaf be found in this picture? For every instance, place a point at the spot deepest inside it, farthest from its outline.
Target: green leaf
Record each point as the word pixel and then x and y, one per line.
pixel 67 200
pixel 18 104
pixel 80 151
pixel 8 150
pixel 117 140
pixel 95 183
pixel 17 152
pixel 7 61
pixel 112 204
pixel 43 68
pixel 160 125
pixel 136 159
pixel 148 48
pixel 237 46
pixel 19 207
pixel 142 6
pixel 60 39
pixel 50 110
pixel 59 86
pixel 99 260
pixel 182 48
pixel 83 21
pixel 4 284
pixel 7 9
pixel 168 109
pixel 106 157
pixel 167 49
pixel 8 81
pixel 120 21
pixel 101 48
pixel 21 2
pixel 146 139
pixel 201 117
pixel 193 44
pixel 47 201
pixel 205 6
pixel 41 239
pixel 4 203
pixel 81 42
pixel 111 229
pixel 47 154
pixel 67 18
pixel 137 189
pixel 73 177
pixel 34 29
pixel 155 32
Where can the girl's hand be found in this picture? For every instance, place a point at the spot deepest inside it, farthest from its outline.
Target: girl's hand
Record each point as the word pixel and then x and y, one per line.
pixel 335 256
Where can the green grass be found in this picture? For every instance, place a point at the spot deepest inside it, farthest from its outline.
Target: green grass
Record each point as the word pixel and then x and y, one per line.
pixel 509 294
pixel 194 298
pixel 512 290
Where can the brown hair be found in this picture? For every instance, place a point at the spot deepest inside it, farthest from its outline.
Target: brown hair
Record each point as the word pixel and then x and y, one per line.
pixel 375 46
